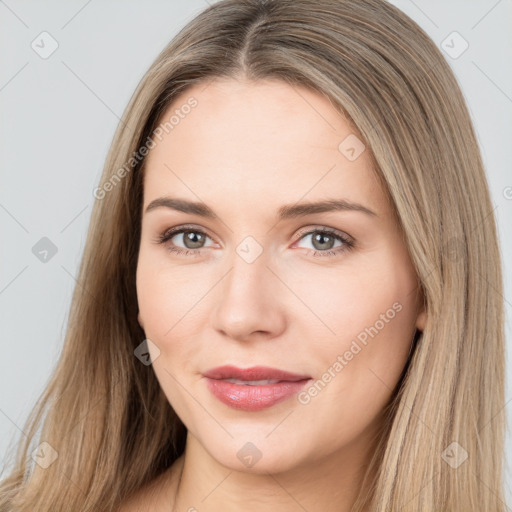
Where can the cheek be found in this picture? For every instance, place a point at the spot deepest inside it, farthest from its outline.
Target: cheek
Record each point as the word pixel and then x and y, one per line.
pixel 172 309
pixel 162 304
pixel 346 302
pixel 371 312
pixel 165 294
pixel 155 300
pixel 358 372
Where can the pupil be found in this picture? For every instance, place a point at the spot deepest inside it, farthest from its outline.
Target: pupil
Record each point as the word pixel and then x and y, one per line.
pixel 322 236
pixel 192 236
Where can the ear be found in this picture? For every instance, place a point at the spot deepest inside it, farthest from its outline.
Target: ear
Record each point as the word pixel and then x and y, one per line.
pixel 421 319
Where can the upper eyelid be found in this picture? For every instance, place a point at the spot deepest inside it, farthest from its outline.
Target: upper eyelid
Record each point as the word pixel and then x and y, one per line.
pixel 180 229
pixel 326 229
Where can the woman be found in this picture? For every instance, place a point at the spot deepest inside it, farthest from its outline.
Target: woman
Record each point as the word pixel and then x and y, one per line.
pixel 213 361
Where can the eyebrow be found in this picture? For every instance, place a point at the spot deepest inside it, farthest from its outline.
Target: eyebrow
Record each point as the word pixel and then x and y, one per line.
pixel 285 212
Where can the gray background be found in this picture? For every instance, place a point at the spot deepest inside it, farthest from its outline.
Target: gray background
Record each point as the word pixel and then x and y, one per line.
pixel 58 117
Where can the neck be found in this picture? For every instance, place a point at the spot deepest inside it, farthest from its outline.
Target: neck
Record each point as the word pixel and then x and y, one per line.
pixel 329 483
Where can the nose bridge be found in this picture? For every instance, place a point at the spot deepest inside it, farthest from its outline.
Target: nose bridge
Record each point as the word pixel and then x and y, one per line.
pixel 249 277
pixel 247 299
pixel 247 258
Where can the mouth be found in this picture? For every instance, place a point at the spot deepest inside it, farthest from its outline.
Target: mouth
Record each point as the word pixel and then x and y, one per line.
pixel 252 382
pixel 253 374
pixel 253 389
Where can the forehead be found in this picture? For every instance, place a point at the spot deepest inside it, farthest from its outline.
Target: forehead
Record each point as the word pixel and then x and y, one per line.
pixel 242 141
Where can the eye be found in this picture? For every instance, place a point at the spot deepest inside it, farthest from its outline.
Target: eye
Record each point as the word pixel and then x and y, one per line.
pixel 324 240
pixel 192 238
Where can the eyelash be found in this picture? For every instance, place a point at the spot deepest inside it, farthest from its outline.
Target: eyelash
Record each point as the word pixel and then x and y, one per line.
pixel 348 243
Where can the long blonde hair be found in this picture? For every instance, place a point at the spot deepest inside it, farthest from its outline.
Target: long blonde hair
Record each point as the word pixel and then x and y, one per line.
pixel 104 412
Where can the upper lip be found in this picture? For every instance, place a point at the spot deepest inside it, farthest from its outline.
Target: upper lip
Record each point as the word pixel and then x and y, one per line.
pixel 253 373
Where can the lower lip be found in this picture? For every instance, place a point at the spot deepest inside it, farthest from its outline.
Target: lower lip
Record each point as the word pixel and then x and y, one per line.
pixel 253 398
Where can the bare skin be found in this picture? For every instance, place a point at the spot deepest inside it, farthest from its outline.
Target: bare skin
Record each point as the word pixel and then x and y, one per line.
pixel 159 495
pixel 246 150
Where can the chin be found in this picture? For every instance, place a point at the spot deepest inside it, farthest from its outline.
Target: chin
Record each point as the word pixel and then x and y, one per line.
pixel 259 456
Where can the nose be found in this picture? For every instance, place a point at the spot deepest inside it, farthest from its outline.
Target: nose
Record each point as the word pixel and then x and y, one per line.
pixel 250 300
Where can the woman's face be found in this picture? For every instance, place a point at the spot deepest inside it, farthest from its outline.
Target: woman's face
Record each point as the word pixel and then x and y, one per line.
pixel 254 282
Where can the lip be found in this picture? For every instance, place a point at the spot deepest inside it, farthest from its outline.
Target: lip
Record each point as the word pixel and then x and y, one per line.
pixel 253 373
pixel 253 397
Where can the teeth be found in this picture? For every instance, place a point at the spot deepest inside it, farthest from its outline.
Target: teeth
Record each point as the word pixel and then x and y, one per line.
pixel 252 382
